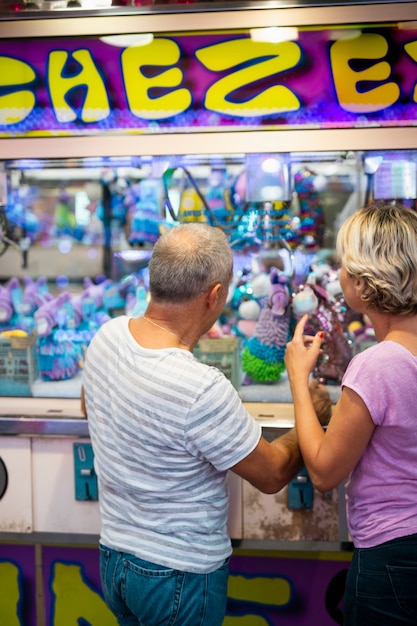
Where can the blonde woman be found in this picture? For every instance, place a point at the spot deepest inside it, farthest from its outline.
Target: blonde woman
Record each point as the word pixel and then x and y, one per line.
pixel 371 441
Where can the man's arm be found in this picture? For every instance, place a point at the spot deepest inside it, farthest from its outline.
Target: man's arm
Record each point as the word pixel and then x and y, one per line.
pixel 271 466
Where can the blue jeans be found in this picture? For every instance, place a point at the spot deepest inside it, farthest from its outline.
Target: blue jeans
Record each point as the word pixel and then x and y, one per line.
pixel 381 586
pixel 140 593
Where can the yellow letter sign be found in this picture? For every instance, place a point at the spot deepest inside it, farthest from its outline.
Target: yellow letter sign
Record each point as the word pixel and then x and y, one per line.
pixel 346 80
pixel 96 104
pixel 16 106
pixel 159 53
pixel 261 59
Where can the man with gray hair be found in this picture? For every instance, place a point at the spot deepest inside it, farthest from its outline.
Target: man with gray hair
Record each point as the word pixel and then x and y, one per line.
pixel 165 430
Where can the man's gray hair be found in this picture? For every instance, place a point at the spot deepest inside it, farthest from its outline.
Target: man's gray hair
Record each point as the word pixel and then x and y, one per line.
pixel 187 260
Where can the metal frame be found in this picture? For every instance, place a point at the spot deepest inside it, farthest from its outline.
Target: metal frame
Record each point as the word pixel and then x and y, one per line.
pixel 47 10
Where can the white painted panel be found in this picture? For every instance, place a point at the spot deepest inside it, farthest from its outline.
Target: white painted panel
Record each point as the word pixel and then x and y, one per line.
pixel 267 516
pixel 55 508
pixel 16 504
pixel 235 520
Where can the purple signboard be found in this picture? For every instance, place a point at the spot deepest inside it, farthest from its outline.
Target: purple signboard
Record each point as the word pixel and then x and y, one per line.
pixel 356 76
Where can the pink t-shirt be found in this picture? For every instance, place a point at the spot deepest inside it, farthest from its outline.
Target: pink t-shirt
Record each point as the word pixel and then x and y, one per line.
pixel 381 491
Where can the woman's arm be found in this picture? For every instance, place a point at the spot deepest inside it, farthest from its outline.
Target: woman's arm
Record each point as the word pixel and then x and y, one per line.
pixel 329 456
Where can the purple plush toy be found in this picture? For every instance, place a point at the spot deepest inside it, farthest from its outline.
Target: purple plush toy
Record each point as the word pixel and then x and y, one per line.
pixel 263 355
pixel 6 304
pixel 59 358
pixel 31 289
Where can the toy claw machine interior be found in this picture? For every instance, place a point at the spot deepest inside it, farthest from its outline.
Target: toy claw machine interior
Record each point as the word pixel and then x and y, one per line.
pixel 114 128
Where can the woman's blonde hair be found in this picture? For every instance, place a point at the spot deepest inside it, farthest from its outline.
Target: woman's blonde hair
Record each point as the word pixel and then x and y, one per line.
pixel 378 245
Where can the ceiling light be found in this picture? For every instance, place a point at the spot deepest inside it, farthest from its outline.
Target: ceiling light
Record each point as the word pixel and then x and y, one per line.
pixel 274 34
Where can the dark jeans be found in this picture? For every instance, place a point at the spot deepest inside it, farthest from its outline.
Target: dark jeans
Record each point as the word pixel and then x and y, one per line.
pixel 139 592
pixel 381 586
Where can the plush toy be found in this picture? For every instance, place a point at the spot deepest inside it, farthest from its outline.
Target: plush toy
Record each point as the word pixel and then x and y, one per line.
pixel 139 304
pixel 307 185
pixel 325 316
pixel 245 307
pixel 304 301
pixel 46 317
pixel 12 306
pixel 218 199
pixel 247 294
pixel 58 357
pixel 145 222
pixel 59 351
pixel 96 303
pixel 65 221
pixel 95 291
pixel 6 304
pixel 31 288
pixel 263 355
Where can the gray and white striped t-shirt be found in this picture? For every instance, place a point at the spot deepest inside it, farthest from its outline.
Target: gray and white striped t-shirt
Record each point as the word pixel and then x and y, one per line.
pixel 165 429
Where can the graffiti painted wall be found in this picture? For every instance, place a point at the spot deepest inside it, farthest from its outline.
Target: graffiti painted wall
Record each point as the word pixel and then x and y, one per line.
pixel 265 588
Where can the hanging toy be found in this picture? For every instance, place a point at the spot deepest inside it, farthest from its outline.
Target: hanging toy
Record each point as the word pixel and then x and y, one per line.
pixel 195 207
pixel 64 214
pixel 191 208
pixel 145 220
pixel 191 205
pixel 307 185
pixel 218 198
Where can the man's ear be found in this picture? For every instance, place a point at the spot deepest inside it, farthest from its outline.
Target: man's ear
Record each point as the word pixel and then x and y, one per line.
pixel 214 294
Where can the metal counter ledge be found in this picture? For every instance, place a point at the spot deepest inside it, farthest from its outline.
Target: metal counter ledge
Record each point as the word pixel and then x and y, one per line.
pixel 42 416
pixel 63 417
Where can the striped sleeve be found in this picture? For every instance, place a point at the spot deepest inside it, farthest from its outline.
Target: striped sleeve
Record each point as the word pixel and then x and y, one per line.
pixel 219 427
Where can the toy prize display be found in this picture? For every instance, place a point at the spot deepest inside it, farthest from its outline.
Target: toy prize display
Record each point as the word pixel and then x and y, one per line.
pixel 274 220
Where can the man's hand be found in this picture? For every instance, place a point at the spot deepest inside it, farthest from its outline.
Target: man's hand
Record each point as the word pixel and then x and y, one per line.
pixel 321 401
